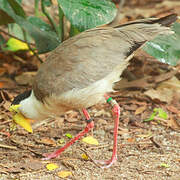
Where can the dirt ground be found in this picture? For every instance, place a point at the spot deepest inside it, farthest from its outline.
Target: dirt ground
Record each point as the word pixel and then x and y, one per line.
pixel 146 150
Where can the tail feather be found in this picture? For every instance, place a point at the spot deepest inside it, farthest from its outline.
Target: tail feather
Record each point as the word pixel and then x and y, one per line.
pixel 136 33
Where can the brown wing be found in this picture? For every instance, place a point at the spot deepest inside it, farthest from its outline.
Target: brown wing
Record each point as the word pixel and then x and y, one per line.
pixel 90 56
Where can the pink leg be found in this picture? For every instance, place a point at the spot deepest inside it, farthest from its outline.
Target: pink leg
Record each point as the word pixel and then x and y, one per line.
pixel 89 126
pixel 116 114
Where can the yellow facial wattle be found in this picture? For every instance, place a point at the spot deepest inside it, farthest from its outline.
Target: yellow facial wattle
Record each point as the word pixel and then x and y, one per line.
pixel 20 119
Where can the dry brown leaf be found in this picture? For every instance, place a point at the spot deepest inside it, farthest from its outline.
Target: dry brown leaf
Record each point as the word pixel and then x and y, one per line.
pixel 173 110
pixel 164 95
pixel 48 141
pixel 173 124
pixel 71 116
pixel 140 110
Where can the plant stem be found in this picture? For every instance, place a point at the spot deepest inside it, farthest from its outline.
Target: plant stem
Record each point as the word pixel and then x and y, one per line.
pixel 29 46
pixel 36 6
pixel 15 37
pixel 61 24
pixel 49 17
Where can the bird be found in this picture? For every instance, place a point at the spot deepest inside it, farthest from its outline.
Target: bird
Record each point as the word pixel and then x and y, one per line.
pixel 82 71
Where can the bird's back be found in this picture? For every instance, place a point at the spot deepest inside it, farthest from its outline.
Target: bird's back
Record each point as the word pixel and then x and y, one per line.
pixel 94 54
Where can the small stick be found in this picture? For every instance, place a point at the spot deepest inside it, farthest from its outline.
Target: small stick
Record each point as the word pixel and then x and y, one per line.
pixel 90 158
pixel 8 147
pixel 154 142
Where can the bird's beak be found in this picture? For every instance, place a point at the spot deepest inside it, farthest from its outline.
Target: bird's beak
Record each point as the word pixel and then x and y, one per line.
pixel 19 118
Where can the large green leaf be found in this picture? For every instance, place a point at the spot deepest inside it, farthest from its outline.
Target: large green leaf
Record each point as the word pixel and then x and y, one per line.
pixel 15 5
pixel 45 40
pixel 86 14
pixel 39 23
pixel 166 48
pixel 5 18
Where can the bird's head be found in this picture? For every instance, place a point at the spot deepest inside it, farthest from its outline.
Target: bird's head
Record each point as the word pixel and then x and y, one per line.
pixel 23 109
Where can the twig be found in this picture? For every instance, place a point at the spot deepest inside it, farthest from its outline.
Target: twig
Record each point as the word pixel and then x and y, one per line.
pixel 154 142
pixel 90 158
pixel 8 147
pixel 61 25
pixel 15 37
pixel 98 147
pixel 29 46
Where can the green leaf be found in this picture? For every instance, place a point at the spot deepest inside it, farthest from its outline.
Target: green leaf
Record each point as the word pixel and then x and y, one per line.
pixel 15 5
pixel 45 40
pixel 16 45
pixel 151 117
pixel 157 112
pixel 73 31
pixel 164 165
pixel 47 2
pixel 68 135
pixel 5 18
pixel 86 14
pixel 166 48
pixel 39 23
pixel 161 113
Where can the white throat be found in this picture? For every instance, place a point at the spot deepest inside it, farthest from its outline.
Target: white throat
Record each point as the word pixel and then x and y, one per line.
pixel 33 108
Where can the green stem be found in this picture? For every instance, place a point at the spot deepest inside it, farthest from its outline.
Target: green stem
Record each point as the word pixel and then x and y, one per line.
pixel 10 35
pixel 36 5
pixel 49 17
pixel 29 46
pixel 61 24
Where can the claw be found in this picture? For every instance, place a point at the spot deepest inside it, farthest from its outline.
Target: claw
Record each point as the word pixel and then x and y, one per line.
pixel 49 156
pixel 106 163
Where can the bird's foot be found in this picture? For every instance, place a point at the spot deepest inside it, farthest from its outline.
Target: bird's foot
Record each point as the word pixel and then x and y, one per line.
pixel 48 156
pixel 106 163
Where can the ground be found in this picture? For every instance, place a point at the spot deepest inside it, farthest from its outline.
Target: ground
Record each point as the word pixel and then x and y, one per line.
pixel 146 150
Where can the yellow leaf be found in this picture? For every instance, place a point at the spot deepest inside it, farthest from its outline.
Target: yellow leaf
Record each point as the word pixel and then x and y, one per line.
pixel 64 174
pixel 52 166
pixel 16 45
pixel 14 108
pixel 90 140
pixel 84 156
pixel 23 122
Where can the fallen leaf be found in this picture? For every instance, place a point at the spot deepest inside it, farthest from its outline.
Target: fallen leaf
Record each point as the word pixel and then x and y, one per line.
pixel 164 165
pixel 48 141
pixel 165 90
pixel 131 140
pixel 52 166
pixel 64 174
pixel 71 116
pixel 140 110
pixel 174 110
pixel 2 70
pixel 173 124
pixel 68 135
pixel 84 156
pixel 90 140
pixel 1 85
pixel 23 122
pixel 16 45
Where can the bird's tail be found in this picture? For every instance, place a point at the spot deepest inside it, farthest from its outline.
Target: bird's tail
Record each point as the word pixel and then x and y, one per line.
pixel 136 33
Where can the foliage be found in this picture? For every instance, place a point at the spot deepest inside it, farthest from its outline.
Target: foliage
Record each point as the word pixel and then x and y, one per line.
pixel 157 112
pixel 166 48
pixel 83 14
